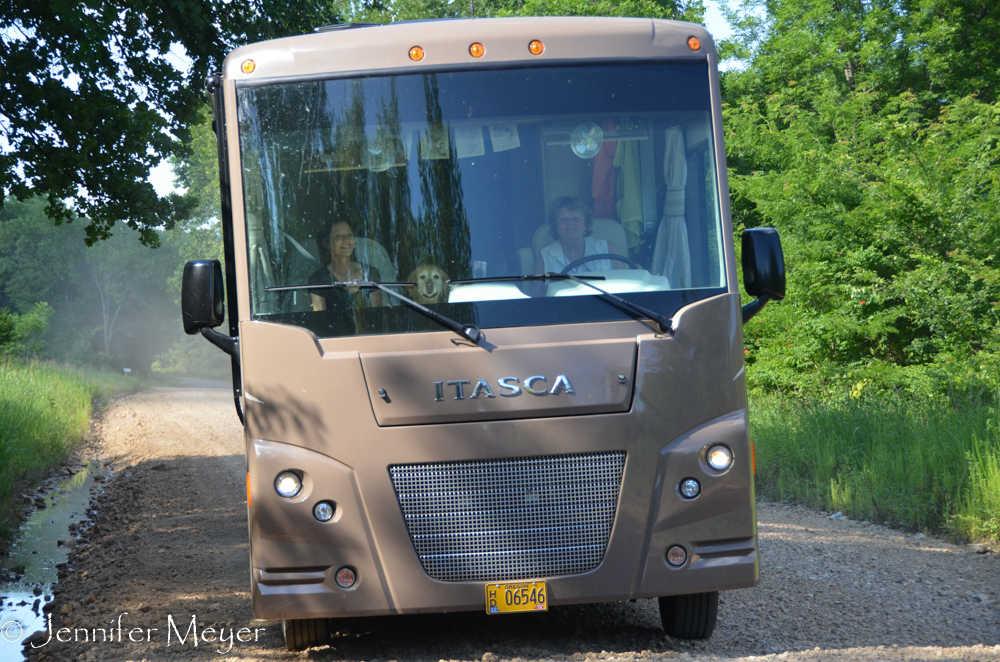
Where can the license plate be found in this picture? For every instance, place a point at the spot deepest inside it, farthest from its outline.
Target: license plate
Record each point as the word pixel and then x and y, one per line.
pixel 516 596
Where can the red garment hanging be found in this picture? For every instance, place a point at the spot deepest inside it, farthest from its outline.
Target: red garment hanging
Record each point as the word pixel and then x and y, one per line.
pixel 603 188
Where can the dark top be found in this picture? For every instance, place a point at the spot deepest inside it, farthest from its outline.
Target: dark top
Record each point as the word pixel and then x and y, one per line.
pixel 338 298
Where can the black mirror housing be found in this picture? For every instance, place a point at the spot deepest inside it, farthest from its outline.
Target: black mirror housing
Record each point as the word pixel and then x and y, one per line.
pixel 763 263
pixel 763 268
pixel 202 295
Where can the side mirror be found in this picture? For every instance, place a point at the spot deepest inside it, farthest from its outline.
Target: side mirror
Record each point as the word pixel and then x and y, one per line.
pixel 202 295
pixel 202 304
pixel 763 268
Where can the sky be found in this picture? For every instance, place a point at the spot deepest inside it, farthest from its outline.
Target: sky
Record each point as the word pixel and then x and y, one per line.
pixel 162 176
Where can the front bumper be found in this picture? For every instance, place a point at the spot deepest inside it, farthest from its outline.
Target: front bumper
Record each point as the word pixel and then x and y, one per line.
pixel 294 557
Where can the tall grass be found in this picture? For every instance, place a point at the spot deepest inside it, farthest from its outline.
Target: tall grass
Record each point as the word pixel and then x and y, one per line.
pixel 44 413
pixel 919 466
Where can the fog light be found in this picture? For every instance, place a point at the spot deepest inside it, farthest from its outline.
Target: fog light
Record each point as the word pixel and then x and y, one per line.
pixel 719 457
pixel 345 578
pixel 323 511
pixel 690 488
pixel 288 484
pixel 676 556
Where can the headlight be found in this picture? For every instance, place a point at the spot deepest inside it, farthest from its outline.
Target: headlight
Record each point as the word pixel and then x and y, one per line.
pixel 690 488
pixel 719 457
pixel 288 484
pixel 323 511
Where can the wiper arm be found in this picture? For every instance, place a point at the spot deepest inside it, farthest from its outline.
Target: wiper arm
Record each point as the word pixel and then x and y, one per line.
pixel 467 331
pixel 666 324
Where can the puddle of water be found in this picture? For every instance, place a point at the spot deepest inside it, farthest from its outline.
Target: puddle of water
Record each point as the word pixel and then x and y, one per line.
pixel 28 575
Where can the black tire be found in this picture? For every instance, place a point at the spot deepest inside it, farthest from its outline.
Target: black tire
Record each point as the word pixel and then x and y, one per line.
pixel 304 633
pixel 690 616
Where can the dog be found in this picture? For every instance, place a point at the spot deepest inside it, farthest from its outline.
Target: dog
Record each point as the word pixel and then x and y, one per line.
pixel 432 284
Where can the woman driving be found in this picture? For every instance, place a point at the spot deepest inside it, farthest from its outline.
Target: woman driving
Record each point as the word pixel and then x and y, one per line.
pixel 336 251
pixel 570 223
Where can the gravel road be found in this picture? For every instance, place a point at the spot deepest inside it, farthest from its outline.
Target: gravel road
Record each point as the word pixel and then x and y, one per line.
pixel 169 545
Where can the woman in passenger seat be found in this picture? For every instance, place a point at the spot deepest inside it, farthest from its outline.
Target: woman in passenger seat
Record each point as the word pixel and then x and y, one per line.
pixel 570 224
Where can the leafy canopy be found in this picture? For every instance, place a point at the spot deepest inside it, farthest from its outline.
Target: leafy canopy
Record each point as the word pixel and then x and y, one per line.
pixel 97 92
pixel 868 133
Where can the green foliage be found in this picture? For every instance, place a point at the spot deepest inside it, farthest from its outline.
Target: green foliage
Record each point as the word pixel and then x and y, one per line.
pixel 851 133
pixel 921 466
pixel 406 10
pixel 108 303
pixel 92 98
pixel 24 335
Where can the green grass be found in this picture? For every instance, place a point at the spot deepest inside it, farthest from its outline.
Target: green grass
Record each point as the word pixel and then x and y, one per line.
pixel 44 414
pixel 920 466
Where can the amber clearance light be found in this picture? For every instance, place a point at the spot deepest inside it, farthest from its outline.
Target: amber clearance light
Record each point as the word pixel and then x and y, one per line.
pixel 536 47
pixel 477 50
pixel 416 53
pixel 693 43
pixel 248 66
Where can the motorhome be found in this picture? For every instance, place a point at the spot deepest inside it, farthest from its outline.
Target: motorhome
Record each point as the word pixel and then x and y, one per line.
pixel 484 319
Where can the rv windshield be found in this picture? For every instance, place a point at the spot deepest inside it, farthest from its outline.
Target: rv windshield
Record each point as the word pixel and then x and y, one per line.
pixel 433 178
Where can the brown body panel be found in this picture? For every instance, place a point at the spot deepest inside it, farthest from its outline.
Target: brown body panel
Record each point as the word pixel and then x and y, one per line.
pixel 310 396
pixel 314 405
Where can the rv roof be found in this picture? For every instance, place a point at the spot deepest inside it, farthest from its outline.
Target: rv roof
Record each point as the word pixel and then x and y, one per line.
pixel 344 51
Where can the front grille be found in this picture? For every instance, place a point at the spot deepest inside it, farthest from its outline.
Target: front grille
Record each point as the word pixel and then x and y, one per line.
pixel 492 520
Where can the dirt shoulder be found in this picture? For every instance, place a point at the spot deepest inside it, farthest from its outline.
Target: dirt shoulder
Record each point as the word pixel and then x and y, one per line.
pixel 169 548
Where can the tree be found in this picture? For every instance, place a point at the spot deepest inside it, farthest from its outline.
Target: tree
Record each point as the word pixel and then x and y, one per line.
pixel 867 133
pixel 109 303
pixel 94 96
pixel 378 11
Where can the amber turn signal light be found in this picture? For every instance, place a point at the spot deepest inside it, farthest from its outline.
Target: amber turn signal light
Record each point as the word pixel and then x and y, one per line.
pixel 536 47
pixel 416 53
pixel 477 50
pixel 693 43
pixel 248 66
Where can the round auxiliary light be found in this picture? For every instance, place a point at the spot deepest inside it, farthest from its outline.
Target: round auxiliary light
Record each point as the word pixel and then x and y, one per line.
pixel 676 556
pixel 536 47
pixel 288 484
pixel 248 66
pixel 690 488
pixel 323 511
pixel 719 457
pixel 416 53
pixel 694 43
pixel 477 50
pixel 345 577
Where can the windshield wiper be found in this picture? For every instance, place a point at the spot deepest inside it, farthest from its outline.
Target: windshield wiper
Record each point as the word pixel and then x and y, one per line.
pixel 666 324
pixel 467 331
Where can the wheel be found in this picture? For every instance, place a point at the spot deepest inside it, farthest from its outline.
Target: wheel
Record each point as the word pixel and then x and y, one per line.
pixel 689 616
pixel 304 633
pixel 600 256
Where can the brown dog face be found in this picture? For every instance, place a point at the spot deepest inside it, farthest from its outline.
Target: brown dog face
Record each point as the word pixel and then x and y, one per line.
pixel 432 284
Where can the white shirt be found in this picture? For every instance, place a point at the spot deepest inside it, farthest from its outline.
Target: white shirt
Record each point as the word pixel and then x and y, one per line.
pixel 555 259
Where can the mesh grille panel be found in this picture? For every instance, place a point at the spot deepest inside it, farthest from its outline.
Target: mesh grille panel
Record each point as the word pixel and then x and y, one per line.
pixel 492 520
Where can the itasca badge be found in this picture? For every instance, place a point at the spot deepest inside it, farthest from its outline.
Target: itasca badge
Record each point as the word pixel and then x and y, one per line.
pixel 508 387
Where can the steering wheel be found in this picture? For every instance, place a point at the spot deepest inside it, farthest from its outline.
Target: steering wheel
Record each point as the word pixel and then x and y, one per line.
pixel 600 256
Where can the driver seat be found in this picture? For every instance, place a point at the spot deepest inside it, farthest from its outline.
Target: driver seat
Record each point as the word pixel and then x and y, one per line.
pixel 603 228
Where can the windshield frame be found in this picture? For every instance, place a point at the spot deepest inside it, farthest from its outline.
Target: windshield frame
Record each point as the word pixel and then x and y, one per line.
pixel 666 302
